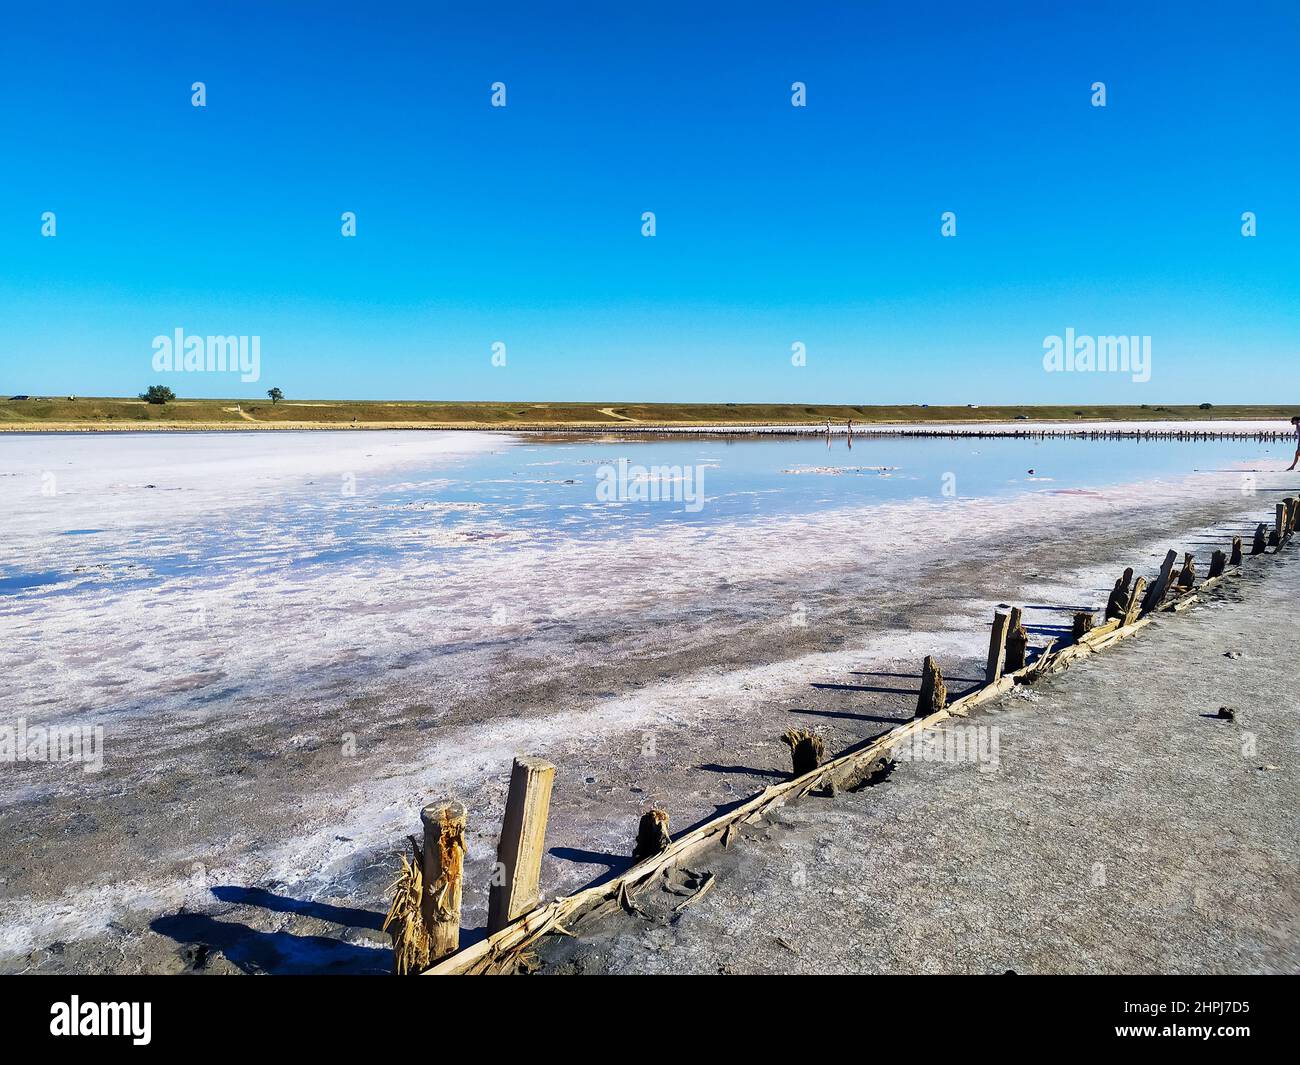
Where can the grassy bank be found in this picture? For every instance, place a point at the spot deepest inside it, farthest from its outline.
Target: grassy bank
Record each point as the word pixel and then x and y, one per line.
pixel 112 413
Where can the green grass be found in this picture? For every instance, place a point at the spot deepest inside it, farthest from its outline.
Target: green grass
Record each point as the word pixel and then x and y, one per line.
pixel 91 412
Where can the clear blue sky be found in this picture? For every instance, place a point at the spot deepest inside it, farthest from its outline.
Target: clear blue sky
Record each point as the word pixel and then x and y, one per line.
pixel 775 224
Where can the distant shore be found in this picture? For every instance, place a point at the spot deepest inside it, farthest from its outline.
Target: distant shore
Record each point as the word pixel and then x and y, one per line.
pixel 89 414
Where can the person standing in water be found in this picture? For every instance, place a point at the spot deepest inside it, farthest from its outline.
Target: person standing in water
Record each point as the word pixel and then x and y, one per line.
pixel 1295 422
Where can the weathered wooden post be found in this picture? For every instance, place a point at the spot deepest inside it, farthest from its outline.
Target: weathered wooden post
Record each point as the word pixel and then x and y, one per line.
pixel 1188 575
pixel 806 751
pixel 1083 622
pixel 1218 563
pixel 1279 525
pixel 1017 642
pixel 934 693
pixel 651 835
pixel 1117 604
pixel 444 863
pixel 1235 560
pixel 1135 601
pixel 1257 548
pixel 1156 593
pixel 515 887
pixel 997 648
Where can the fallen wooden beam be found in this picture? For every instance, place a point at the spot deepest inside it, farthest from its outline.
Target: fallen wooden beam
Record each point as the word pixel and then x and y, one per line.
pixel 1187 599
pixel 1097 632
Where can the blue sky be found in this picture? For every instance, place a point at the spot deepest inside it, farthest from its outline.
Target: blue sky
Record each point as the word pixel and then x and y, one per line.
pixel 775 224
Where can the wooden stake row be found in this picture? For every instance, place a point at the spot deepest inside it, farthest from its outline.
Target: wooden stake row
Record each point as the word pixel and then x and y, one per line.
pixel 875 430
pixel 493 954
pixel 515 918
pixel 1007 638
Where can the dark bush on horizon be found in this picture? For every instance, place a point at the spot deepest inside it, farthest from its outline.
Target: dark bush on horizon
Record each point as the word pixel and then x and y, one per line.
pixel 158 394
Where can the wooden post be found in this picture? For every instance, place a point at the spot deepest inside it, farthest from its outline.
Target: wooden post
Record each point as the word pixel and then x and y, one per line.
pixel 1117 604
pixel 444 862
pixel 1295 512
pixel 997 648
pixel 1218 563
pixel 1156 593
pixel 1135 601
pixel 514 889
pixel 1188 575
pixel 1082 624
pixel 1017 642
pixel 1257 548
pixel 651 835
pixel 1235 560
pixel 934 693
pixel 806 751
pixel 1279 525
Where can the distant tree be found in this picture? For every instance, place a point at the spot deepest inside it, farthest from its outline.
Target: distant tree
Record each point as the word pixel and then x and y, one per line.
pixel 158 394
pixel 275 394
pixel 1207 406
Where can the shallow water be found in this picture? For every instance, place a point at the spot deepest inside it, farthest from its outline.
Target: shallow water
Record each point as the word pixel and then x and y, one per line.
pixel 507 490
pixel 552 484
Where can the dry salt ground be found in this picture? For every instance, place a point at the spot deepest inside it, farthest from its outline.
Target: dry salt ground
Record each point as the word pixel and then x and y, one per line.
pixel 285 672
pixel 1121 828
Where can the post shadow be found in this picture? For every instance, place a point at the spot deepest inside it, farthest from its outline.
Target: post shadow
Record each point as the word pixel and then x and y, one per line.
pixel 253 951
pixel 324 911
